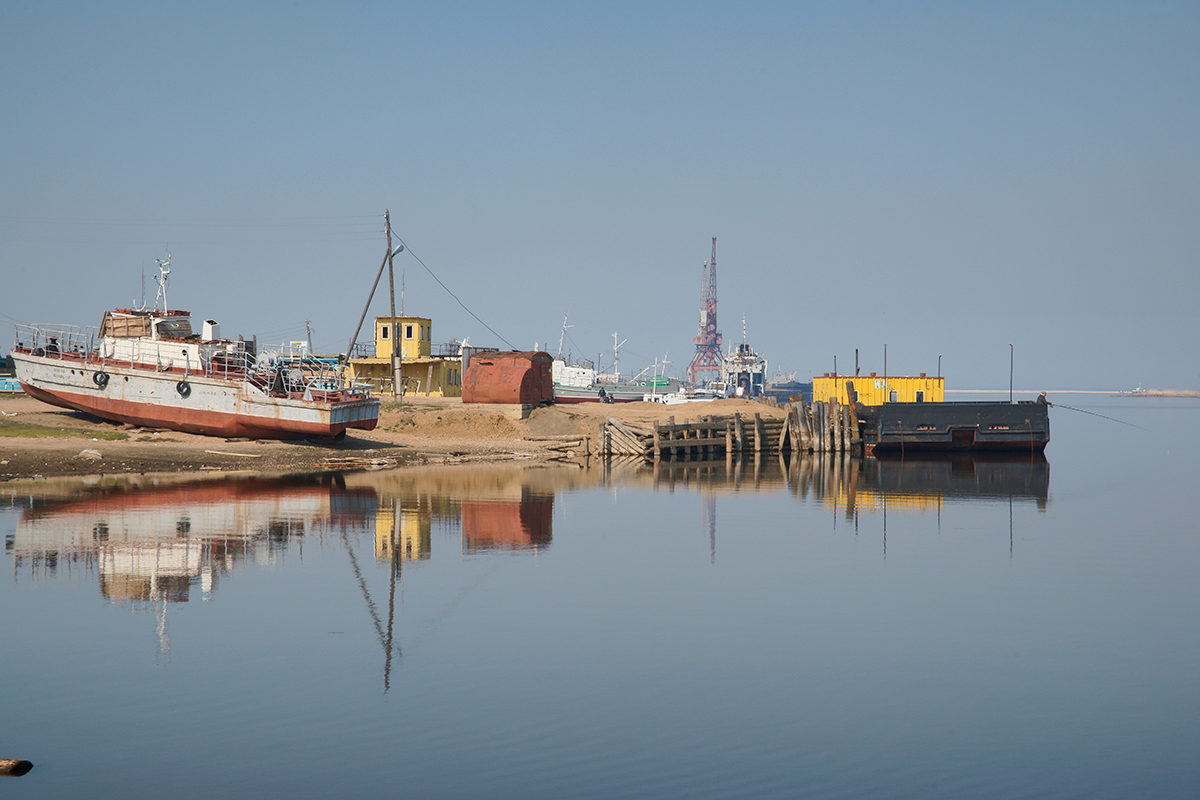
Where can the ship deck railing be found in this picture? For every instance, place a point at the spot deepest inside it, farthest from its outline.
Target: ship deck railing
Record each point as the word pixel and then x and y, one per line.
pixel 55 340
pixel 297 377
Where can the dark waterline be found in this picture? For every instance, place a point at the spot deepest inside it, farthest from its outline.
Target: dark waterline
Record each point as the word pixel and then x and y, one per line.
pixel 934 628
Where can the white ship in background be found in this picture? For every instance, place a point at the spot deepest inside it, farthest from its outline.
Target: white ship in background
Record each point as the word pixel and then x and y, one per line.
pixel 744 370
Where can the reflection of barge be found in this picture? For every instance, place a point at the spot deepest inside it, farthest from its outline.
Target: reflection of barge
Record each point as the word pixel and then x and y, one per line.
pixel 956 427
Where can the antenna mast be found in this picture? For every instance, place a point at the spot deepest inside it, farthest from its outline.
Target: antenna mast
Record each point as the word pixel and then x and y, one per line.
pixel 563 334
pixel 164 272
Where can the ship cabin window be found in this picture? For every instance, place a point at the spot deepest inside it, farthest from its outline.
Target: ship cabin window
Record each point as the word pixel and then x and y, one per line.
pixel 920 397
pixel 408 331
pixel 383 331
pixel 894 396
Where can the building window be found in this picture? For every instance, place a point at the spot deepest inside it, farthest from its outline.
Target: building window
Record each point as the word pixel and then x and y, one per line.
pixel 893 397
pixel 920 396
pixel 383 331
pixel 408 331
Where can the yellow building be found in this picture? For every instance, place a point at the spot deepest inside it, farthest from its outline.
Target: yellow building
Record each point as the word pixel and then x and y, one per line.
pixel 423 373
pixel 873 390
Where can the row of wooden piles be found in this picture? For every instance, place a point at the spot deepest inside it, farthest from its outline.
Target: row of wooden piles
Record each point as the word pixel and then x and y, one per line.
pixel 805 428
pixel 823 427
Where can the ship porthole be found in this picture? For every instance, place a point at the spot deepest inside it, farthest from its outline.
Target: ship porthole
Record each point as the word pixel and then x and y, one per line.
pixel 184 388
pixel 100 379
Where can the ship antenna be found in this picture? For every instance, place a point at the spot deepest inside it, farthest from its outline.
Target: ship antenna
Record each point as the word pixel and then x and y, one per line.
pixel 563 334
pixel 617 356
pixel 164 271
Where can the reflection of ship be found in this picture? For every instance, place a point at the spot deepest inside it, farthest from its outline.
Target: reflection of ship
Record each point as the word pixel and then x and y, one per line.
pixel 955 478
pixel 155 543
pixel 864 483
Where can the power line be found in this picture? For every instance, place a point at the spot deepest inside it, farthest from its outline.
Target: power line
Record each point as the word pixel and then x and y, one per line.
pixel 452 294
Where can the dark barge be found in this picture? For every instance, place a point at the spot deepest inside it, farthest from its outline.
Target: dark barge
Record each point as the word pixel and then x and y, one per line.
pixel 1022 427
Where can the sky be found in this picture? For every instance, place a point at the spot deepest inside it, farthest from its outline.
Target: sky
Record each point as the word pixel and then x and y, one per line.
pixel 945 179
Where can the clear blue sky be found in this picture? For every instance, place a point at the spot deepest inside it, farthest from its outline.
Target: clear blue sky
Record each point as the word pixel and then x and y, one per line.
pixel 945 178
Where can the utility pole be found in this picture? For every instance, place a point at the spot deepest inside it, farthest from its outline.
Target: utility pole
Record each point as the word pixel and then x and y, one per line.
pixel 397 362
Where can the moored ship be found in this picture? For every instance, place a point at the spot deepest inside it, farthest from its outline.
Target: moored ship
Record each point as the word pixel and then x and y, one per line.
pixel 148 368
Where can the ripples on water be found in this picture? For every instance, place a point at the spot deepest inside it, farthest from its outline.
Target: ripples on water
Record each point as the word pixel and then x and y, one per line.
pixel 824 628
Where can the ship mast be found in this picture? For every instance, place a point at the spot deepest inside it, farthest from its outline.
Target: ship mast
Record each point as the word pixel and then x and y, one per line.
pixel 164 272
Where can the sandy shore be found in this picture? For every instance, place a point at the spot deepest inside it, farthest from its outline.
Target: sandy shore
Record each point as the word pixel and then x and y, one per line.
pixel 39 440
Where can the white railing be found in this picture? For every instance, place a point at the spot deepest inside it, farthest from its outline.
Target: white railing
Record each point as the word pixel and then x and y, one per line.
pixel 55 340
pixel 271 372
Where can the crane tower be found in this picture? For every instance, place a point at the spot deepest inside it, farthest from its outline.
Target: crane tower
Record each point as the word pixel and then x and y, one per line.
pixel 708 357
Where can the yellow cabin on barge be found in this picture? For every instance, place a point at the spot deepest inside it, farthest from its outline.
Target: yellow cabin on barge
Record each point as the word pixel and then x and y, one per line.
pixel 874 390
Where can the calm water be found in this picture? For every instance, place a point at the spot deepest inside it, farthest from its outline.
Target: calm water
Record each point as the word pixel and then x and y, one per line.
pixel 916 629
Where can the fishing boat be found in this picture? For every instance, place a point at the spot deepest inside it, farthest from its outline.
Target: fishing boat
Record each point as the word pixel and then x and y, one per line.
pixel 147 367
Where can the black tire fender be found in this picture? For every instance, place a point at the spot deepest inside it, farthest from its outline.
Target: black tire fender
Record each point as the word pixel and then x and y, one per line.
pixel 100 379
pixel 184 388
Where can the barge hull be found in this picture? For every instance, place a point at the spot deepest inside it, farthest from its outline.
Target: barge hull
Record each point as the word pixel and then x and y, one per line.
pixel 987 427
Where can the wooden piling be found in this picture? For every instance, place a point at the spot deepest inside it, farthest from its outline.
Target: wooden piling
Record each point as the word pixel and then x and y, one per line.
pixel 835 426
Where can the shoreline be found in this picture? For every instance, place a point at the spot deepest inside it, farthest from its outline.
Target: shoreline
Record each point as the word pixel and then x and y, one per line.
pixel 39 441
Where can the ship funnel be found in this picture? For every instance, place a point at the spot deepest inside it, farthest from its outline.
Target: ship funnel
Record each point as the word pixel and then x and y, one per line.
pixel 212 330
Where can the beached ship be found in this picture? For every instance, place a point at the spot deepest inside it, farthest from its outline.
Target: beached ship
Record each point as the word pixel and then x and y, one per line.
pixel 147 367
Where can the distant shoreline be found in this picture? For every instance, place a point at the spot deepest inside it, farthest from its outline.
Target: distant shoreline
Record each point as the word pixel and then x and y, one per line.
pixel 1193 393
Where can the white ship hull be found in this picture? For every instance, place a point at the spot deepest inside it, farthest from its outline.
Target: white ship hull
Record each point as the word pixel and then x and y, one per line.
pixel 180 400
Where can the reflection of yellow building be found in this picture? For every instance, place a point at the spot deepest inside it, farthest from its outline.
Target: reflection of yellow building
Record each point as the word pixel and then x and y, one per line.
pixel 873 500
pixel 423 373
pixel 408 527
pixel 872 390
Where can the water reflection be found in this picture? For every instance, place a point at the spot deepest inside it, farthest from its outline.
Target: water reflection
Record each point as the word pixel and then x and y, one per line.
pixel 156 543
pixel 152 543
pixel 852 483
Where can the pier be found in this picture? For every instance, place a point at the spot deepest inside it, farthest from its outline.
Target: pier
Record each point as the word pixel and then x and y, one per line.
pixel 820 427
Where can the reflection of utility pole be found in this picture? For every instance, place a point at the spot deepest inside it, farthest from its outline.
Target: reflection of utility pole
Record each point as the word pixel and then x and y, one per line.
pixel 708 518
pixel 395 572
pixel 385 639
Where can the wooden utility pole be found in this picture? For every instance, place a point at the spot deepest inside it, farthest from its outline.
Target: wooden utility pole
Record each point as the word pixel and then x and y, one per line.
pixel 397 363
